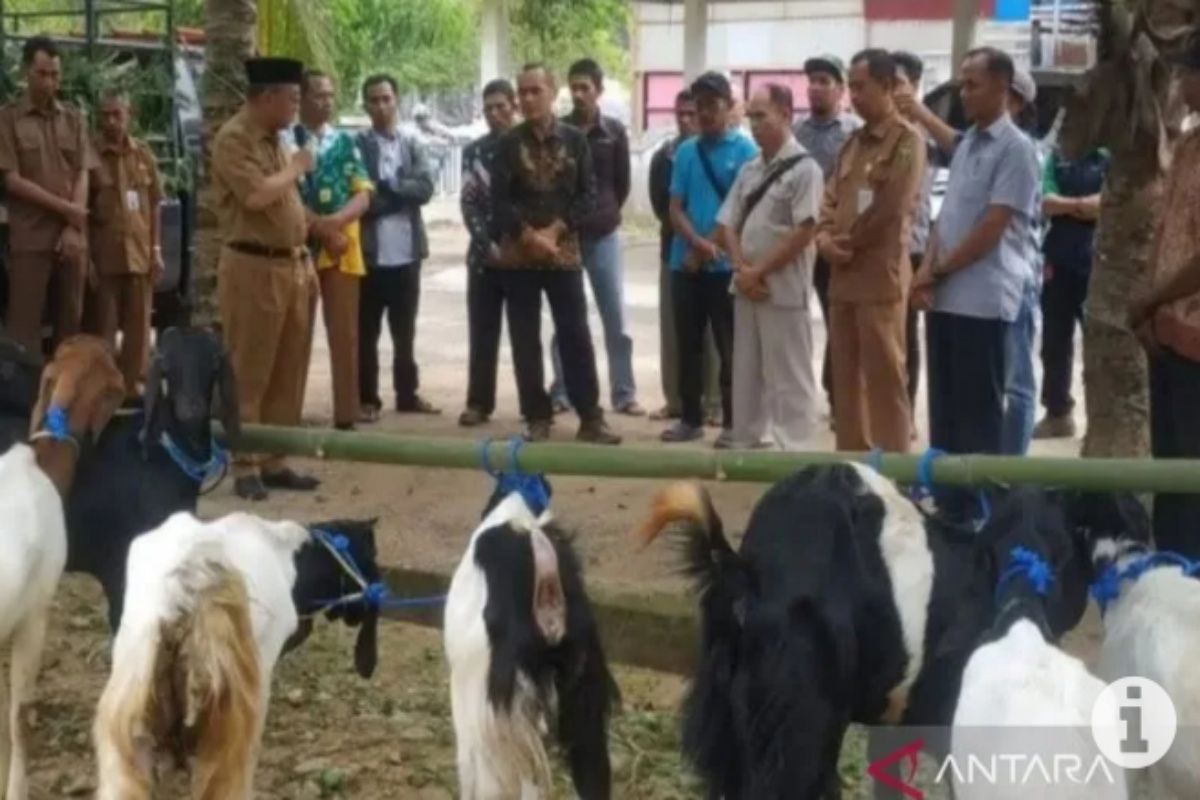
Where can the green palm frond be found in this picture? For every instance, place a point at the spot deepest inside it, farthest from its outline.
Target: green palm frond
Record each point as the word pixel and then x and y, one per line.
pixel 298 29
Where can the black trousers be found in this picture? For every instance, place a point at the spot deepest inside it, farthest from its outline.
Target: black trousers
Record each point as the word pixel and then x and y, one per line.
pixel 396 291
pixel 523 290
pixel 966 382
pixel 912 343
pixel 702 299
pixel 1175 433
pixel 485 310
pixel 821 284
pixel 1063 296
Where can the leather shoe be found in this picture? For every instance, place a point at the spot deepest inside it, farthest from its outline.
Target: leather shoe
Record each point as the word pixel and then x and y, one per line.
pixel 289 480
pixel 250 487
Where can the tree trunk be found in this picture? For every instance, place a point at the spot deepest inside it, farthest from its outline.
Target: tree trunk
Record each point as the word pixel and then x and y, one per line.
pixel 230 31
pixel 1114 373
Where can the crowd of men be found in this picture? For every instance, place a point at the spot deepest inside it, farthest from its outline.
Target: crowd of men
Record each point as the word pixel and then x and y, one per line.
pixel 838 202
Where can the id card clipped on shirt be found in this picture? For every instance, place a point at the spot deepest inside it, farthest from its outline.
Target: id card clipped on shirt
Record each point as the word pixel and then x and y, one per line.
pixel 133 200
pixel 865 198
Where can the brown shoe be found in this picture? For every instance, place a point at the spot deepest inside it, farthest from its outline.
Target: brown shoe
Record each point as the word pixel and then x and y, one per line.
pixel 472 418
pixel 1055 428
pixel 538 430
pixel 630 409
pixel 417 405
pixel 596 431
pixel 664 413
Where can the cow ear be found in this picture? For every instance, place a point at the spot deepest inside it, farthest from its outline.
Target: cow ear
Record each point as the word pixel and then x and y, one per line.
pixel 366 648
pixel 549 602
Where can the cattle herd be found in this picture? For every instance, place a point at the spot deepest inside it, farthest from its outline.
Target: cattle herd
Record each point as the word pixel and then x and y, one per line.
pixel 845 602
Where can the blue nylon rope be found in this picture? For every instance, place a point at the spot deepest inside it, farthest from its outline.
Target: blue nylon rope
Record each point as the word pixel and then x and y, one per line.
pixel 1025 563
pixel 1107 586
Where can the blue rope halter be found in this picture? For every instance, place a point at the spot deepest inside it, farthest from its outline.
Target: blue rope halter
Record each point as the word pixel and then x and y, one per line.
pixel 375 595
pixel 923 490
pixel 1025 563
pixel 1107 586
pixel 56 427
pixel 217 465
pixel 531 487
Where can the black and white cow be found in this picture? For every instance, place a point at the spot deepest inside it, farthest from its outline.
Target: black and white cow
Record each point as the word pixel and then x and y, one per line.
pixel 525 661
pixel 843 604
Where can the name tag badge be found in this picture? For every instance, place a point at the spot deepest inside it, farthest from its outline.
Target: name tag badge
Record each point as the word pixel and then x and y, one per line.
pixel 865 198
pixel 133 200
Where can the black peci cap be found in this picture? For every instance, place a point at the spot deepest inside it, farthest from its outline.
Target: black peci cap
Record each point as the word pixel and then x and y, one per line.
pixel 713 83
pixel 274 71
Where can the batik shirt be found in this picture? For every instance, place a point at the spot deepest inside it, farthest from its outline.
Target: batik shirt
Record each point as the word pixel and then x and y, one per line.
pixel 339 175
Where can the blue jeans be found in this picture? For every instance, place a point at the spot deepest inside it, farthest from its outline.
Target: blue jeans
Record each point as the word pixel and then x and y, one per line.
pixel 1020 384
pixel 602 262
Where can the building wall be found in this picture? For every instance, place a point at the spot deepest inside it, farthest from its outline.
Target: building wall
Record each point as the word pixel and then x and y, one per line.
pixel 748 40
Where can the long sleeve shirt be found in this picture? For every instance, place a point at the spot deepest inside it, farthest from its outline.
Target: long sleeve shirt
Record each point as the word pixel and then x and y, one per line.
pixel 539 180
pixel 475 199
pixel 609 146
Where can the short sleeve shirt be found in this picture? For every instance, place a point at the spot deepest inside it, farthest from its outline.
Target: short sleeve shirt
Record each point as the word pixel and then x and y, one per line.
pixel 125 193
pixel 793 200
pixel 690 183
pixel 995 166
pixel 50 148
pixel 244 155
pixel 824 138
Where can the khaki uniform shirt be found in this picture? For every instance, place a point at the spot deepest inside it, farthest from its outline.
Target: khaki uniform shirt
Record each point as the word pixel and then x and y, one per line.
pixel 244 155
pixel 793 199
pixel 125 193
pixel 51 149
pixel 1177 324
pixel 871 198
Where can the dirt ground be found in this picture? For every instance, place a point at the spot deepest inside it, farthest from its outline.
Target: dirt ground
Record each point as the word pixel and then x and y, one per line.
pixel 333 735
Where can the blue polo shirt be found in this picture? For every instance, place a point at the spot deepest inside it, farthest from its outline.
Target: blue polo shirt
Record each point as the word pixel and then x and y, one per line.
pixel 690 183
pixel 995 166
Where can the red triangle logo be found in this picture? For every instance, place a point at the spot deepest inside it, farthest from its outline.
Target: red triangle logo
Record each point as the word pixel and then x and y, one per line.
pixel 908 753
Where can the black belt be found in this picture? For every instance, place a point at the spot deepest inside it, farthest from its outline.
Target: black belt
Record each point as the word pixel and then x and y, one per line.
pixel 262 251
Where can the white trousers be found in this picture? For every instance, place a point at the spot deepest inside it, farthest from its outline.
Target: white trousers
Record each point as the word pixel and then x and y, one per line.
pixel 774 387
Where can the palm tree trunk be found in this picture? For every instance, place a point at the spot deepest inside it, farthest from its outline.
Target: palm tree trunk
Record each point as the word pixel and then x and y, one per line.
pixel 1115 371
pixel 230 31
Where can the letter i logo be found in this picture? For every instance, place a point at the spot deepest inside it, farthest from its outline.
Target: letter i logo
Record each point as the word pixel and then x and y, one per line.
pixel 1134 722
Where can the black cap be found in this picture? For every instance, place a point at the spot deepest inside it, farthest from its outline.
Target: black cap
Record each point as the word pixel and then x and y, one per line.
pixel 828 64
pixel 274 71
pixel 713 83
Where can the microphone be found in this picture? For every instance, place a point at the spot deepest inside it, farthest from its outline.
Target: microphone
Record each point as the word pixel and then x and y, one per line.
pixel 301 135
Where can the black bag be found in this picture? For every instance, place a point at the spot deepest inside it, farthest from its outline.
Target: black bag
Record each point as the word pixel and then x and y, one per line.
pixel 755 197
pixel 711 173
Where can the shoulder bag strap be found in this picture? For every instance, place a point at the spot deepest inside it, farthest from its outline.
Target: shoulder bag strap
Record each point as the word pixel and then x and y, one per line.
pixel 755 197
pixel 711 173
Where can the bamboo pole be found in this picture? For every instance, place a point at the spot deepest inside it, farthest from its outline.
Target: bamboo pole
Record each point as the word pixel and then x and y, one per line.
pixel 1096 474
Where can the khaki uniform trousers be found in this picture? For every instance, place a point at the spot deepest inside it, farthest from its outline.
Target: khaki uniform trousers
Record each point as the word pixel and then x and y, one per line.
pixel 121 304
pixel 870 380
pixel 35 279
pixel 774 387
pixel 339 307
pixel 267 310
